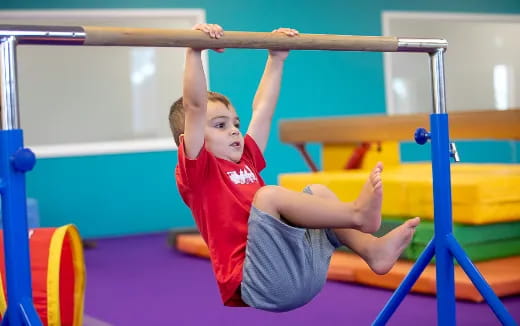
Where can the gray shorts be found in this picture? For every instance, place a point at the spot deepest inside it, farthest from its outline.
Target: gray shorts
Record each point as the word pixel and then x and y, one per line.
pixel 285 266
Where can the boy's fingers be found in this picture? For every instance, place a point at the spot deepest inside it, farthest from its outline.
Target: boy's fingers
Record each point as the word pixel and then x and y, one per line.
pixel 287 31
pixel 216 27
pixel 213 30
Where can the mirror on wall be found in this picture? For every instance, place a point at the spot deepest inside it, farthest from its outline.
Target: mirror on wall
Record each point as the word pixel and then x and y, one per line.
pixel 80 100
pixel 482 63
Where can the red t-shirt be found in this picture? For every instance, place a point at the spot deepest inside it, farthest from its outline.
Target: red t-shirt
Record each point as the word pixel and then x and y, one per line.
pixel 219 194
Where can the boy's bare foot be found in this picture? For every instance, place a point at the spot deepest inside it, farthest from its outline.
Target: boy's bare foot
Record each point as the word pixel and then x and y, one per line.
pixel 368 204
pixel 387 249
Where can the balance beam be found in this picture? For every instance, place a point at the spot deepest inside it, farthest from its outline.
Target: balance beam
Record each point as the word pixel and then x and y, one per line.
pixel 488 124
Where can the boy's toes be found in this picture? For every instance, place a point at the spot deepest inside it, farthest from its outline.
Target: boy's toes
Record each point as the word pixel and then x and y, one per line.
pixel 375 178
pixel 414 222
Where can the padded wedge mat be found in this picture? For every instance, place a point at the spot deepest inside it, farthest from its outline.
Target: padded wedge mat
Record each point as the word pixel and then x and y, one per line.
pixel 503 274
pixel 481 193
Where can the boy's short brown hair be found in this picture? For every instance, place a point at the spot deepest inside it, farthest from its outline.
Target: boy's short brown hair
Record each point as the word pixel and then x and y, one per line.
pixel 176 115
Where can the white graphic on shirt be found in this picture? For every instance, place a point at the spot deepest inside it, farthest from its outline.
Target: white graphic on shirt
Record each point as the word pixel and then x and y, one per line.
pixel 243 176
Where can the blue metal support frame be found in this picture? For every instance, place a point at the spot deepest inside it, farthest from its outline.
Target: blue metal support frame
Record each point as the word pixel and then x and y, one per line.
pixel 444 244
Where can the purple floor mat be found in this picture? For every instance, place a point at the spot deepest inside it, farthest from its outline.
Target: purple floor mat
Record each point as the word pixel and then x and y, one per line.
pixel 141 281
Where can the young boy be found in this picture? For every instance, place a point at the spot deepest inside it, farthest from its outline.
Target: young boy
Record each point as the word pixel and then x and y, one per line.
pixel 270 247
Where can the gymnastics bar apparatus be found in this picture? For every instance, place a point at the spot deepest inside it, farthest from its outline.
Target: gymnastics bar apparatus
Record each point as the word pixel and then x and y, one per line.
pixel 15 160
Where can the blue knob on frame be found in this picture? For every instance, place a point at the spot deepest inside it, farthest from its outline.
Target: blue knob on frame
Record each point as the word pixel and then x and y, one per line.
pixel 421 136
pixel 23 160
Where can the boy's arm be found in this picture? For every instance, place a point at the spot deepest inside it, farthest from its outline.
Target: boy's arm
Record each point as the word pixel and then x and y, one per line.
pixel 267 94
pixel 195 95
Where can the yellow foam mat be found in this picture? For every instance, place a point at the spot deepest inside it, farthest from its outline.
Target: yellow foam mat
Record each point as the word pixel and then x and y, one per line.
pixel 481 193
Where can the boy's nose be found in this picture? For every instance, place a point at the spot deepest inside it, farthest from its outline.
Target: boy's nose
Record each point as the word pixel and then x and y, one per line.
pixel 234 131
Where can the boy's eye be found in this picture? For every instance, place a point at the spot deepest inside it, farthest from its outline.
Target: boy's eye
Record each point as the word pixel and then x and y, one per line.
pixel 237 125
pixel 219 125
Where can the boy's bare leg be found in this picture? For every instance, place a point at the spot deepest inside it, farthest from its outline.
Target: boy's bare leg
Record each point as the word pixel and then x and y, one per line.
pixel 310 211
pixel 379 253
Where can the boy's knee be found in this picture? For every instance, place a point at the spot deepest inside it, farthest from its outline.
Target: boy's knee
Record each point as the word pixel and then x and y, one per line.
pixel 265 198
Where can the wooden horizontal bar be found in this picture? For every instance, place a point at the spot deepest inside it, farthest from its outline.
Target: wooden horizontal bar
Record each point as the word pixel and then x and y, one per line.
pixel 489 124
pixel 156 37
pixel 253 40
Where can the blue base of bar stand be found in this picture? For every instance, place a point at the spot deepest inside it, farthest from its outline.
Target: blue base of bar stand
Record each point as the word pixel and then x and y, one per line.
pixel 443 245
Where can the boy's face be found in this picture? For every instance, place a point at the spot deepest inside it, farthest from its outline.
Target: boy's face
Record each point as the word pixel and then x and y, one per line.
pixel 223 138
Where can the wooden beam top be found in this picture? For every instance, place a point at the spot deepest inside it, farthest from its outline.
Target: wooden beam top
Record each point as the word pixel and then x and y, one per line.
pixel 489 124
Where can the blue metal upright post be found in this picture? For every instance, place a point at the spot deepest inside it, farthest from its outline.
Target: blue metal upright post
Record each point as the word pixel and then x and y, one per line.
pixel 445 275
pixel 14 162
